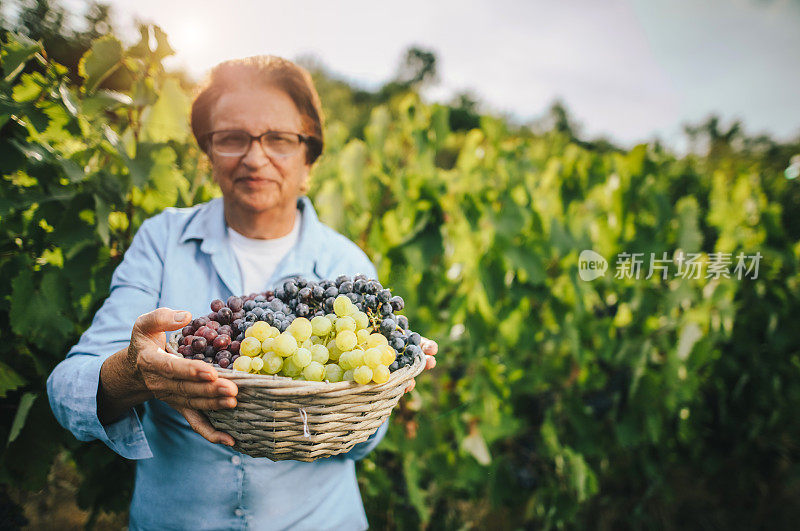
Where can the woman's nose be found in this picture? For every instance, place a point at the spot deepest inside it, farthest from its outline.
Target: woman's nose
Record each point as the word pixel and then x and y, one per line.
pixel 255 156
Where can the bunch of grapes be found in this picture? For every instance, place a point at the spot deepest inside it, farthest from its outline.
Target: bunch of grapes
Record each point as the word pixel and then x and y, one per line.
pixel 338 330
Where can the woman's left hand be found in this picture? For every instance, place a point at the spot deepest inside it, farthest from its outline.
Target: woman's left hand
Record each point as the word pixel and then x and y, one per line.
pixel 429 348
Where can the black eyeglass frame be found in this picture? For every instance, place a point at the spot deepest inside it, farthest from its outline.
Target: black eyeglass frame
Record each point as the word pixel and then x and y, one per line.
pixel 304 139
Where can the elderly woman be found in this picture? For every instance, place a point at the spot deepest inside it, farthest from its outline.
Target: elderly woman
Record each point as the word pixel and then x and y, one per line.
pixel 259 122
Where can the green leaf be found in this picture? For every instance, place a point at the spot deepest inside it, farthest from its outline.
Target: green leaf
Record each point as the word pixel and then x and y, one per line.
pixel 24 407
pixel 100 61
pixel 168 119
pixel 16 52
pixel 9 379
pixel 102 210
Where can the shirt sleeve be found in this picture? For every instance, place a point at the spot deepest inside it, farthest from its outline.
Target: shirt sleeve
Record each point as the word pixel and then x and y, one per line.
pixel 72 386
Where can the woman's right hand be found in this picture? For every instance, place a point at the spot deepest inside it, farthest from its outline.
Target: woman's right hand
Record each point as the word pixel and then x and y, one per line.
pixel 186 385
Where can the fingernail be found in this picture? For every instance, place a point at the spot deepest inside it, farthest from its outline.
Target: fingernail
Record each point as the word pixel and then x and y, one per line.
pixel 181 316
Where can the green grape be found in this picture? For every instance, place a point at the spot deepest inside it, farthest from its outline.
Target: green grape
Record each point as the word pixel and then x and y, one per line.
pixel 272 363
pixel 388 355
pixel 361 319
pixel 380 374
pixel 356 357
pixel 373 356
pixel 345 323
pixel 314 371
pixel 266 345
pixel 376 339
pixel 259 330
pixel 300 328
pixel 320 326
pixel 301 358
pixel 362 375
pixel 319 353
pixel 316 340
pixel 290 369
pixel 333 373
pixel 242 363
pixel 331 317
pixel 361 337
pixel 341 305
pixel 333 350
pixel 250 346
pixel 346 340
pixel 284 345
pixel 344 361
pixel 256 364
pixel 347 376
pixel 307 344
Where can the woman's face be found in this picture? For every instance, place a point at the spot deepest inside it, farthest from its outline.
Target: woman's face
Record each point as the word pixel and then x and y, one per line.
pixel 255 182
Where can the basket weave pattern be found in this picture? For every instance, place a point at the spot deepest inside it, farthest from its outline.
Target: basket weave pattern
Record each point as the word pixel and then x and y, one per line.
pixel 281 418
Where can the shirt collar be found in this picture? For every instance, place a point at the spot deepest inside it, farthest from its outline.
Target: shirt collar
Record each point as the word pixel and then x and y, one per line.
pixel 208 225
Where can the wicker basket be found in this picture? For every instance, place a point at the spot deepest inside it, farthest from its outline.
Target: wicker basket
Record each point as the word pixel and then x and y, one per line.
pixel 281 418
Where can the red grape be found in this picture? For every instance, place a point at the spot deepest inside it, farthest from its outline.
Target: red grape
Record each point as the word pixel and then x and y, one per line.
pixel 225 330
pixel 234 347
pixel 216 304
pixel 214 325
pixel 224 362
pixel 199 344
pixel 221 342
pixel 210 335
pixel 187 330
pixel 235 303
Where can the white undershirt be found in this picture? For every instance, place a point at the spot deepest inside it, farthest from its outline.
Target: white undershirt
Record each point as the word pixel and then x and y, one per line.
pixel 258 258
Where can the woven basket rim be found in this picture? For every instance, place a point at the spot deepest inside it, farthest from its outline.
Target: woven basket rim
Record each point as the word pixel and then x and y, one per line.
pixel 304 387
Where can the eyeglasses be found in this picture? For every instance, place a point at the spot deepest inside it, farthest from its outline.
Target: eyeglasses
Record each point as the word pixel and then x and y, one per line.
pixel 236 143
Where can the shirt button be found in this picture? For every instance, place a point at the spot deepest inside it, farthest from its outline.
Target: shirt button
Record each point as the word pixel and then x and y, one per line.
pixel 238 512
pixel 236 460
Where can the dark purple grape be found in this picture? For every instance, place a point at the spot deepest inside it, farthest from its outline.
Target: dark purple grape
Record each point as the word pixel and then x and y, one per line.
pixel 353 297
pixel 372 287
pixel 402 322
pixel 360 276
pixel 397 343
pixel 388 326
pixel 413 351
pixel 225 315
pixel 340 279
pixel 234 358
pixel 225 330
pixel 332 291
pixel 393 367
pixel 290 289
pixel 397 303
pixel 237 324
pixel 224 363
pixel 346 287
pixel 305 294
pixel 371 302
pixel 187 330
pixel 328 304
pixel 414 339
pixel 235 303
pixel 223 354
pixel 234 346
pixel 212 317
pixel 200 321
pixel 209 352
pixel 199 356
pixel 221 342
pixel 302 310
pixel 250 317
pixel 384 295
pixel 386 309
pixel 238 315
pixel 358 285
pixel 248 305
pixel 216 304
pixel 199 344
pixel 318 293
pixel 260 298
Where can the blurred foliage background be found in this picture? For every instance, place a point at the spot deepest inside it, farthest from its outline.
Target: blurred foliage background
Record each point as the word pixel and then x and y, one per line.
pixel 557 403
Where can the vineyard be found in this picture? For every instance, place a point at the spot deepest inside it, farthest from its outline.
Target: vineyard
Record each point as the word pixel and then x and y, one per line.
pixel 665 400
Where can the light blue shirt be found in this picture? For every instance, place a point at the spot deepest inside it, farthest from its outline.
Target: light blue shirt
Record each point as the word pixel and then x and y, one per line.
pixel 181 259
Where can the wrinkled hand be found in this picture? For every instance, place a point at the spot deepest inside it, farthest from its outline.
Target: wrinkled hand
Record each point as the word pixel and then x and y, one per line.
pixel 429 348
pixel 186 385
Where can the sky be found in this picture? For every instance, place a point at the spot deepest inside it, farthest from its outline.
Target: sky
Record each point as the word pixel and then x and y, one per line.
pixel 630 70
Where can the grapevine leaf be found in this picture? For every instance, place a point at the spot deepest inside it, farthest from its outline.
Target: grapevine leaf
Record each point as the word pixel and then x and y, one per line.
pixel 9 379
pixel 100 61
pixel 16 52
pixel 24 407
